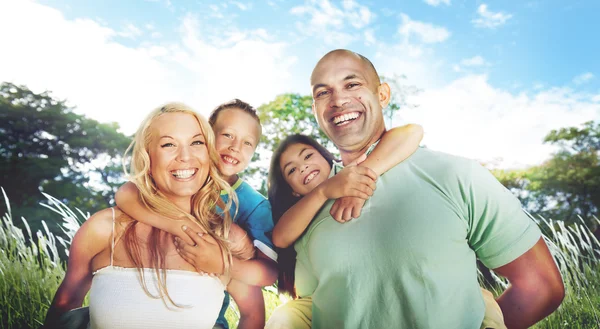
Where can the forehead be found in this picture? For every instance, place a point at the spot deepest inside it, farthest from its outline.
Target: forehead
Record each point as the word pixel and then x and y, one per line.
pixel 293 151
pixel 336 67
pixel 175 124
pixel 238 120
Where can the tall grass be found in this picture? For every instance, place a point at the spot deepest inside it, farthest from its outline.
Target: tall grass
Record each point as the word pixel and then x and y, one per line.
pixel 31 270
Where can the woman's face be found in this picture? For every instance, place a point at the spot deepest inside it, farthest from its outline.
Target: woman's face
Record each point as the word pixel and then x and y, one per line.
pixel 179 160
pixel 303 168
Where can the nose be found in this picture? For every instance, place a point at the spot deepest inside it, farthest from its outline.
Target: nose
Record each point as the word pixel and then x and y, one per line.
pixel 184 153
pixel 339 99
pixel 304 168
pixel 235 145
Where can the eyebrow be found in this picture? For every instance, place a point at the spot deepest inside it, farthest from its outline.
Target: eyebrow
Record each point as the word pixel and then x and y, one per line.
pixel 348 77
pixel 167 136
pixel 299 154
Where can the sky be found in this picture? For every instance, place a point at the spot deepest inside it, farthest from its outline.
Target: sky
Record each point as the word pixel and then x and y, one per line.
pixel 493 77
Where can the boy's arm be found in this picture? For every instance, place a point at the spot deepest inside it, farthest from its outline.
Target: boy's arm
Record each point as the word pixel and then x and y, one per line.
pixel 396 145
pixel 251 304
pixel 127 200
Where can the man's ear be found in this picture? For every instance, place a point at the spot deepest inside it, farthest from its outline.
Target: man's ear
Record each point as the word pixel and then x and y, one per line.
pixel 313 108
pixel 384 93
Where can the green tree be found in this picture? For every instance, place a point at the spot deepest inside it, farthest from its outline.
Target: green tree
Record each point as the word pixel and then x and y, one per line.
pixel 568 184
pixel 45 145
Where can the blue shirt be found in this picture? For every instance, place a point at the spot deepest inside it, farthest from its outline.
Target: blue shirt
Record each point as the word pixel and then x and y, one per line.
pixel 254 216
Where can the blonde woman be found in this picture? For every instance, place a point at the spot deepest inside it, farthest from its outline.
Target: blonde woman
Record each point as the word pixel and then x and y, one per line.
pixel 134 273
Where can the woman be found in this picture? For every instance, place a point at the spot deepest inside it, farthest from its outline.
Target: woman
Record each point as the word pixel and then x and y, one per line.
pixel 135 275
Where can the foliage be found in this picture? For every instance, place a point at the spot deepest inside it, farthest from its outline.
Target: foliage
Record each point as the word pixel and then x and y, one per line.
pixel 568 184
pixel 45 145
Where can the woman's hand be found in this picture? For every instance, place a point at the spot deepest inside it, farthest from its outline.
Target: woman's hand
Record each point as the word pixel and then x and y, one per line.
pixel 204 255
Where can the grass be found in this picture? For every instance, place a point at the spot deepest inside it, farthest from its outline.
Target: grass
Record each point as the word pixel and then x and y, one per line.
pixel 31 270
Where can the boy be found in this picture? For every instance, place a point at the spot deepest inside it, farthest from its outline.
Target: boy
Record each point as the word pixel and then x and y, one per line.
pixel 237 133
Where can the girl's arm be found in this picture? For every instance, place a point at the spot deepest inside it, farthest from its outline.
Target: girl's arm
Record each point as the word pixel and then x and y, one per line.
pixel 352 181
pixel 395 146
pixel 92 238
pixel 127 200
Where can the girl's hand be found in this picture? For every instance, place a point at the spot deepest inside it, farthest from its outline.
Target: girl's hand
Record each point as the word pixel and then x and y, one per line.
pixel 346 208
pixel 352 181
pixel 204 254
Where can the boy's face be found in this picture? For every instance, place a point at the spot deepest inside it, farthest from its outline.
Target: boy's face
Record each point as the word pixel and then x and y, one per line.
pixel 237 134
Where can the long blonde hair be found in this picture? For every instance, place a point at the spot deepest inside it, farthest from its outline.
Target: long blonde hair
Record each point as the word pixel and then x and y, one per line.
pixel 204 203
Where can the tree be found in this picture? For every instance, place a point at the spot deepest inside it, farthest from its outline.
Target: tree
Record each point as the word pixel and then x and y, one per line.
pixel 45 145
pixel 568 184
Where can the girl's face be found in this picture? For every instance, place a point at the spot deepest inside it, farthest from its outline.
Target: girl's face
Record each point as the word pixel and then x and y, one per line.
pixel 303 168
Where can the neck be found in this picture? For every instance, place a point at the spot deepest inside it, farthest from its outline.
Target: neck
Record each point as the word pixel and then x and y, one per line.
pixel 349 155
pixel 184 203
pixel 232 179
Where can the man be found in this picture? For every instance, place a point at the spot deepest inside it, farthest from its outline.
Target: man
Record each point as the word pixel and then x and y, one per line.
pixel 409 260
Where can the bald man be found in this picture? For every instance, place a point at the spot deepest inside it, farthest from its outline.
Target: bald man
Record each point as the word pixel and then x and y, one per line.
pixel 409 260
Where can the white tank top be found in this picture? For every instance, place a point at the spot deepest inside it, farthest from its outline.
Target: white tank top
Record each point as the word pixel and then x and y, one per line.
pixel 118 300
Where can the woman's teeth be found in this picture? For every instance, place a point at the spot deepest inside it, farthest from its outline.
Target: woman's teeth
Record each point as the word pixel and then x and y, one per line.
pixel 185 173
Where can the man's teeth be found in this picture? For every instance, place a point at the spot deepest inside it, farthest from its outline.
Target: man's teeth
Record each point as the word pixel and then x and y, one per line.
pixel 310 177
pixel 345 117
pixel 186 173
pixel 230 160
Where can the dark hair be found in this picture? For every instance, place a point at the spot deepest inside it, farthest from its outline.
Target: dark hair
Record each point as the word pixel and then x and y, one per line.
pixel 234 104
pixel 281 199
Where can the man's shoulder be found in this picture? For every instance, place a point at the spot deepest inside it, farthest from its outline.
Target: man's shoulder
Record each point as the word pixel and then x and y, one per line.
pixel 247 193
pixel 437 163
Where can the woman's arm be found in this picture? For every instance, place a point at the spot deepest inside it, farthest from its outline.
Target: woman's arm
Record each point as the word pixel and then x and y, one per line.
pixel 91 239
pixel 395 146
pixel 127 200
pixel 352 181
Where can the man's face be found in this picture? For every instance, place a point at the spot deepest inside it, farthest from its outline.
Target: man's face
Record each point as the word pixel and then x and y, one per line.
pixel 347 103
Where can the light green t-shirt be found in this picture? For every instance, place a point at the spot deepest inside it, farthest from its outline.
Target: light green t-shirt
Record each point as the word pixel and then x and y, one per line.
pixel 409 260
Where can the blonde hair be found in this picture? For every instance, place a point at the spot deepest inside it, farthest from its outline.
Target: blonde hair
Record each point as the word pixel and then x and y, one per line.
pixel 204 202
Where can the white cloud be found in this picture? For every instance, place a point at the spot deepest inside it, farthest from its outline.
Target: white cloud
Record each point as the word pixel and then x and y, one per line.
pixel 130 31
pixel 242 6
pixel 488 19
pixel 370 37
pixel 583 78
pixel 329 22
pixel 473 61
pixel 471 118
pixel 436 3
pixel 109 81
pixel 425 32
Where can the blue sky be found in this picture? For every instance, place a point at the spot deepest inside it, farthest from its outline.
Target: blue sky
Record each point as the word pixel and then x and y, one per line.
pixel 495 76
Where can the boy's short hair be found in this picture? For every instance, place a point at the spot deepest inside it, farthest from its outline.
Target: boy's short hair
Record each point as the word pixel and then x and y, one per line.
pixel 234 104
